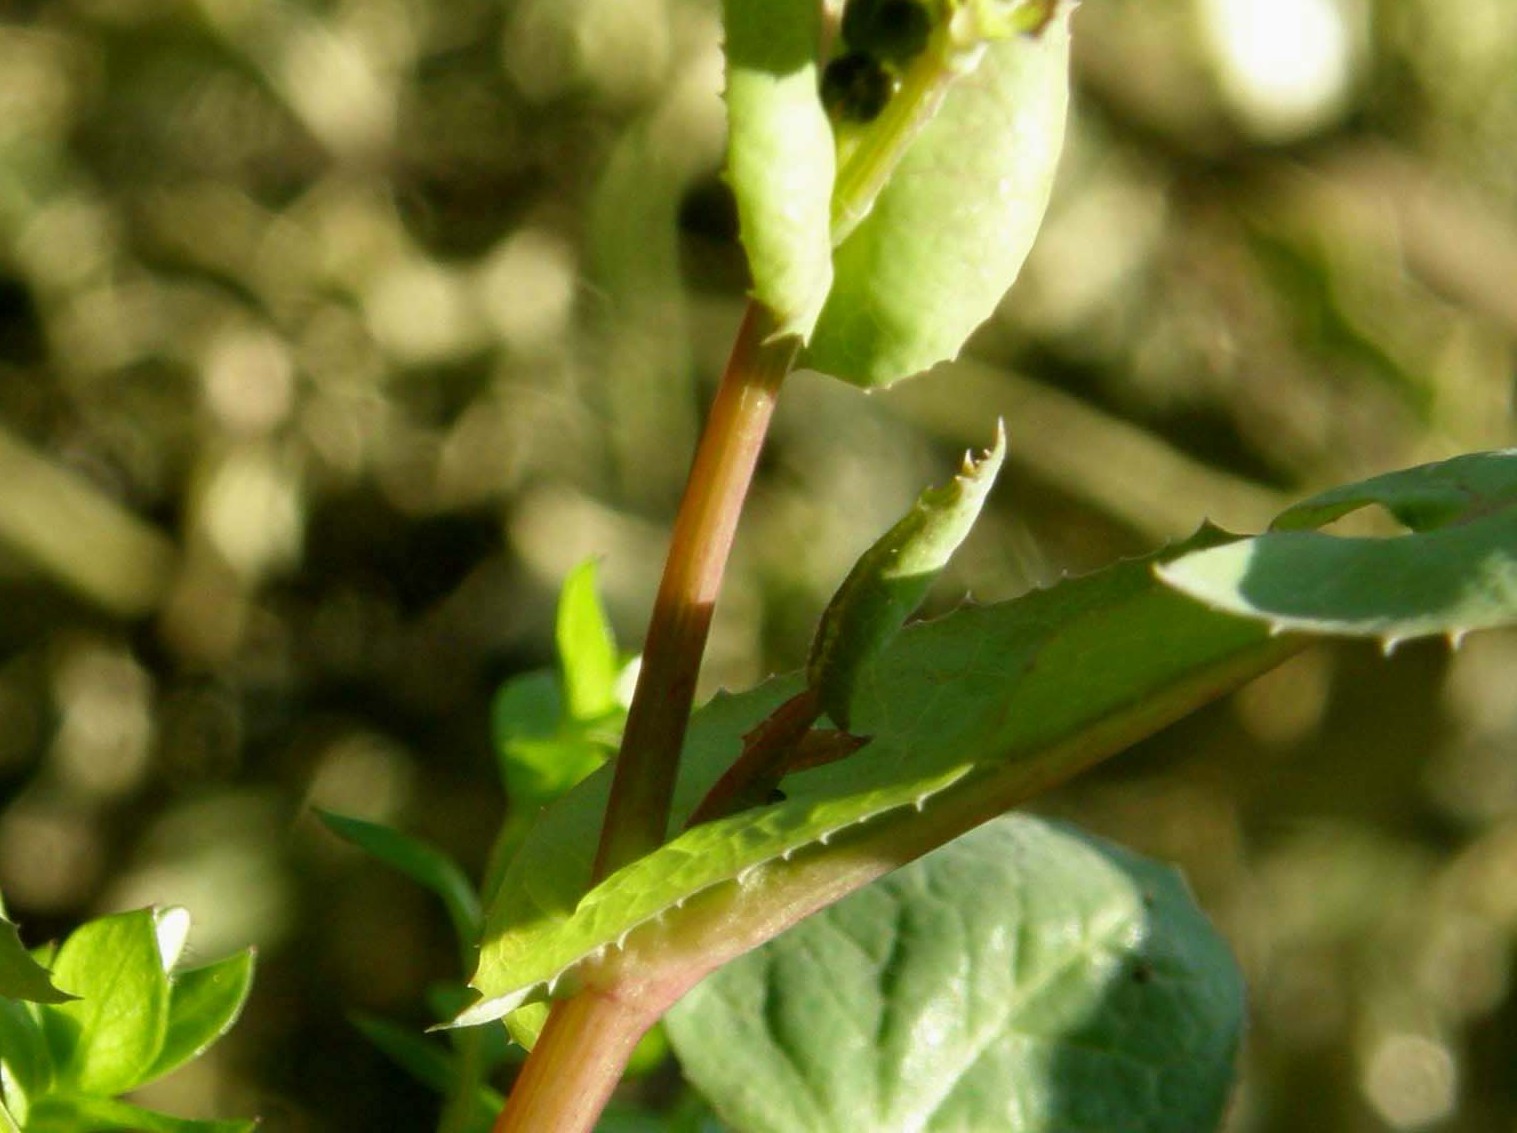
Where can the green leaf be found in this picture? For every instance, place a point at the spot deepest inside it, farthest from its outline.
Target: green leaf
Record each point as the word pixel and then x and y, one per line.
pixel 543 752
pixel 586 649
pixel 68 1113
pixel 890 580
pixel 949 232
pixel 1024 977
pixel 105 1042
pixel 969 715
pixel 203 1004
pixel 1455 572
pixel 1423 498
pixel 780 159
pixel 26 1067
pixel 423 864
pixel 21 977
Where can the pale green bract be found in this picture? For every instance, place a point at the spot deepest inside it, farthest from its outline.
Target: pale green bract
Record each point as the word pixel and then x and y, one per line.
pixel 780 155
pixel 948 234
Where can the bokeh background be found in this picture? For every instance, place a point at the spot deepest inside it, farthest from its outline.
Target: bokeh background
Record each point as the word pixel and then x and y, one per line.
pixel 334 333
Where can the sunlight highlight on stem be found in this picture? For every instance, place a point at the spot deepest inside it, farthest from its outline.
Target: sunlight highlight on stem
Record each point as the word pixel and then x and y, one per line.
pixel 637 816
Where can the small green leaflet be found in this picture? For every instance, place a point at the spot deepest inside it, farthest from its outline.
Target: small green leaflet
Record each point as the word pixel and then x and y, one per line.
pixel 21 977
pixel 203 1004
pixel 104 1042
pixel 890 580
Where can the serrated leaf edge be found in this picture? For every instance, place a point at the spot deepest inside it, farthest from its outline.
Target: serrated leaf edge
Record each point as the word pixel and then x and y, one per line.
pixel 544 987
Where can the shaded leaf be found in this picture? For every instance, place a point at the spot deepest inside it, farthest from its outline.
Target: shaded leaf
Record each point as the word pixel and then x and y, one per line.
pixel 428 1062
pixel 26 1067
pixel 67 1113
pixel 423 864
pixel 1025 978
pixel 203 1004
pixel 1423 498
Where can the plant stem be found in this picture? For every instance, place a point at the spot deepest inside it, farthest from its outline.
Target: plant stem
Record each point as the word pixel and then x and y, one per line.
pixel 642 790
pixel 879 147
pixel 577 1062
pixel 459 1105
pixel 767 753
pixel 584 1047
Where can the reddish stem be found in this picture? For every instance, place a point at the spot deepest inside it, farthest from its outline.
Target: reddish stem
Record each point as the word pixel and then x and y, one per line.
pixel 637 816
pixel 577 1062
pixel 768 751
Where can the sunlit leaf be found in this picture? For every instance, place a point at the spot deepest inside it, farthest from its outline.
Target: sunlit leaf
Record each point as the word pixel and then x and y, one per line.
pixel 780 160
pixel 891 578
pixel 21 977
pixel 586 650
pixel 948 234
pixel 968 715
pixel 1455 572
pixel 106 1041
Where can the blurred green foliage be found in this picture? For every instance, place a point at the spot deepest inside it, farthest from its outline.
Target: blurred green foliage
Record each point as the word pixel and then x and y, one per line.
pixel 334 333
